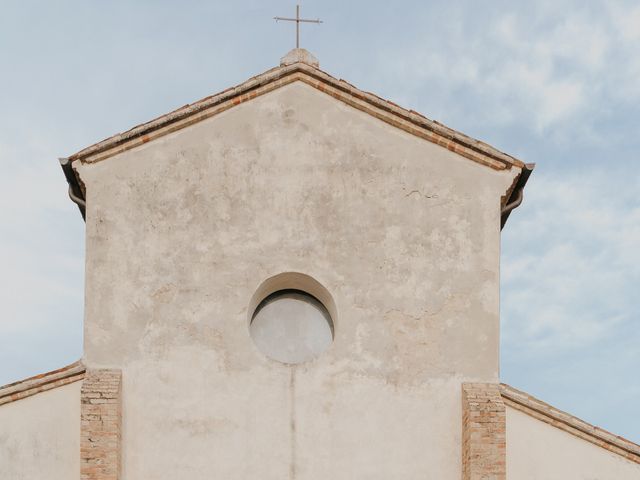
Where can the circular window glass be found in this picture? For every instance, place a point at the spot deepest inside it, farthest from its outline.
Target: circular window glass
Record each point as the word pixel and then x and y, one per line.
pixel 291 326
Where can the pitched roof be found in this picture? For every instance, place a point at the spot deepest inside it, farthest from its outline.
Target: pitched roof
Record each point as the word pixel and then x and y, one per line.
pixel 385 110
pixel 564 421
pixel 270 80
pixel 41 383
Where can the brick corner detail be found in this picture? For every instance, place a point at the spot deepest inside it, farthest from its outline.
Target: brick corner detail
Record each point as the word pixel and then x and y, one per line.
pixel 483 432
pixel 100 420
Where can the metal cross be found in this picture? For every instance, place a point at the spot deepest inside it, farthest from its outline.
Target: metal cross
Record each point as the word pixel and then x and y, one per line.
pixel 298 20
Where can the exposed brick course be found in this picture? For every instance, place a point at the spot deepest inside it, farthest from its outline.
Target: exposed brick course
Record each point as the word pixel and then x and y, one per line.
pixel 483 432
pixel 386 111
pixel 100 421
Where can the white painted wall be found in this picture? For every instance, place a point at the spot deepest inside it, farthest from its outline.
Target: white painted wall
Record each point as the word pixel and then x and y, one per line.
pixel 40 436
pixel 402 233
pixel 539 451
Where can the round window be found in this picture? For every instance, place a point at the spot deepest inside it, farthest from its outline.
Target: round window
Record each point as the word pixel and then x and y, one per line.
pixel 291 326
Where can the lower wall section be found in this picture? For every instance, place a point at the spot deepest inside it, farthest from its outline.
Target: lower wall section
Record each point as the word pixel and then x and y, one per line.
pixel 483 432
pixel 100 436
pixel 276 424
pixel 39 436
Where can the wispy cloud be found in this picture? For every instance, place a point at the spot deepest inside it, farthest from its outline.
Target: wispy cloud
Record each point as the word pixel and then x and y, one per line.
pixel 540 68
pixel 570 276
pixel 571 265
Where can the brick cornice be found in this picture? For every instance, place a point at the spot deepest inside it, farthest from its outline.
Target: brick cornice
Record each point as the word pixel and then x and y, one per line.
pixel 564 421
pixel 378 107
pixel 41 383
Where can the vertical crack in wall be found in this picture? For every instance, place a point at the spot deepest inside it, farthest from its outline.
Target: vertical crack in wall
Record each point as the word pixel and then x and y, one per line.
pixel 292 422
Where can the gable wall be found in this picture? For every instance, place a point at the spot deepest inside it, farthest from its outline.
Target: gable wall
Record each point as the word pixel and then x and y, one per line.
pixel 539 451
pixel 404 235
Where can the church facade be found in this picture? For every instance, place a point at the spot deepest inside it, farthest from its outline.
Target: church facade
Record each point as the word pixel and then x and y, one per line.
pixel 294 279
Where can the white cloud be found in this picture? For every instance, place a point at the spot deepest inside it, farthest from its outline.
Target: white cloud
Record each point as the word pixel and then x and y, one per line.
pixel 626 20
pixel 557 64
pixel 571 264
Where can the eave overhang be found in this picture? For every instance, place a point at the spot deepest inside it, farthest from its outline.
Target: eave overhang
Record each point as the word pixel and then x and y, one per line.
pixel 42 383
pixel 386 111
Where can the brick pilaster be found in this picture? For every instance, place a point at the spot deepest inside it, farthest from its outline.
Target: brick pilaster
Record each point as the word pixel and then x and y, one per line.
pixel 483 432
pixel 100 420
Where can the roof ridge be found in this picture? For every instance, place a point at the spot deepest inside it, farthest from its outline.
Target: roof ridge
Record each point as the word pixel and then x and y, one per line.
pixel 540 410
pixel 42 382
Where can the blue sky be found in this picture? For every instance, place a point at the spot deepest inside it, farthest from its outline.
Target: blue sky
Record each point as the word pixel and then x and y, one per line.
pixel 552 82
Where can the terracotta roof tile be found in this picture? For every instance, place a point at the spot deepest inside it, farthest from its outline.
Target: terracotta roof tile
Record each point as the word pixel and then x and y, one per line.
pixel 41 383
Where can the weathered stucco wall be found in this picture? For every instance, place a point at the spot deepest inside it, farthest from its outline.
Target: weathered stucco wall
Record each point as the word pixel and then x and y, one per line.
pixel 40 436
pixel 402 233
pixel 539 451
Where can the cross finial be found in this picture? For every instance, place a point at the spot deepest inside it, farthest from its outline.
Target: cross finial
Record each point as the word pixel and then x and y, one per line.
pixel 298 20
